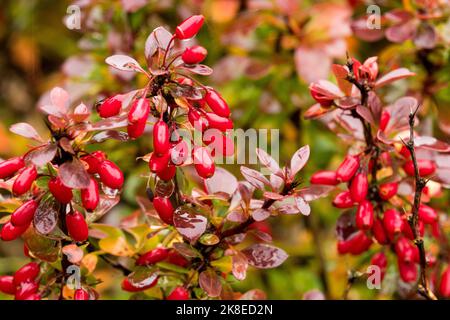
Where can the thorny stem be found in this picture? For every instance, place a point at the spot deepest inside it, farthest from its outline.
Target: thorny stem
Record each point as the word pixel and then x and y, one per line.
pixel 420 183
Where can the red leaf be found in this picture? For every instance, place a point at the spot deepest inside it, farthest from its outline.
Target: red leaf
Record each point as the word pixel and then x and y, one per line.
pixel 315 192
pixel 188 223
pixel 25 130
pixel 221 181
pixel 199 69
pixel 42 155
pixel 299 160
pixel 124 63
pixel 340 72
pixel 303 206
pixel 255 294
pixel 74 175
pixel 159 38
pixel 240 265
pixel 269 162
pixel 264 256
pixel 316 111
pixel 45 218
pixel 260 214
pixel 254 177
pixel 210 282
pixel 392 76
pixel 431 143
pixel 365 113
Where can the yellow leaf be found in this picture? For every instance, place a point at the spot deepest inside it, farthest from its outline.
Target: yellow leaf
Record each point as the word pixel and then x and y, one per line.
pixel 116 246
pixel 90 262
pixel 223 264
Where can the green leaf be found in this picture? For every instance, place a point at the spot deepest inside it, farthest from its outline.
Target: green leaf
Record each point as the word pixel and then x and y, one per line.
pixel 224 264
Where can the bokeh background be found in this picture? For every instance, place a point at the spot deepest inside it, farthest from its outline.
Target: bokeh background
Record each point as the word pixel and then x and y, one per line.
pixel 264 54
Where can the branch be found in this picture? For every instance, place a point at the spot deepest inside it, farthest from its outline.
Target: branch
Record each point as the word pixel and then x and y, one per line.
pixel 420 183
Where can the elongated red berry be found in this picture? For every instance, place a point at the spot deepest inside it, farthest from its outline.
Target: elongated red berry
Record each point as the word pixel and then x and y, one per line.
pixel 384 120
pixel 379 232
pixel 393 222
pixel 136 129
pixel 164 208
pixel 9 167
pixel 203 162
pixel 24 181
pixel 153 256
pixel 7 285
pixel 111 175
pixel 343 200
pixel 139 111
pixel 388 190
pixel 161 138
pixel 217 103
pixel 358 243
pixel 168 173
pixel 359 187
pixel 33 296
pixel 426 167
pixel 364 215
pixel 407 231
pixel 379 259
pixel 197 121
pixel 110 107
pixel 77 226
pixel 179 293
pixel 444 286
pixel 81 294
pixel 406 250
pixel 427 214
pixel 407 270
pixel 189 27
pixel 128 286
pixel 219 123
pixel 158 163
pixel 61 193
pixel 194 54
pixel 347 168
pixel 28 272
pixel 90 196
pixel 218 143
pixel 94 160
pixel 26 290
pixel 10 232
pixel 175 258
pixel 24 214
pixel 325 177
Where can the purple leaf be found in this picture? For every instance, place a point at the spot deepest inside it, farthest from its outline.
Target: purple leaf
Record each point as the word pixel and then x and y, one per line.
pixel 142 277
pixel 188 223
pixel 254 177
pixel 288 209
pixel 74 175
pixel 221 181
pixel 315 192
pixel 360 30
pixel 264 256
pixel 272 195
pixel 260 214
pixel 426 38
pixel 269 162
pixel 240 265
pixel 25 130
pixel 124 63
pixel 264 236
pixel 109 134
pixel 45 218
pixel 302 205
pixel 60 99
pixel 42 155
pixel 431 143
pixel 186 250
pixel 402 32
pixel 255 294
pixel 392 76
pixel 199 69
pixel 365 113
pixel 210 282
pixel 159 38
pixel 299 160
pixel 312 64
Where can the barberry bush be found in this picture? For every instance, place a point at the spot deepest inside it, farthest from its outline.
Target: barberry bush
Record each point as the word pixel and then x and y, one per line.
pixel 124 184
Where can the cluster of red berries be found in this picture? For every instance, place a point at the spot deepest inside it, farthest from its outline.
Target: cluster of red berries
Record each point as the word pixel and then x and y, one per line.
pixel 24 284
pixel 154 256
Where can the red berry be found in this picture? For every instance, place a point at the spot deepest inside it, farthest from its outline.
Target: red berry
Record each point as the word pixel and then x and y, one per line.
pixel 24 214
pixel 77 226
pixel 404 151
pixel 393 222
pixel 219 142
pixel 139 111
pixel 81 294
pixel 426 167
pixel 407 270
pixel 359 187
pixel 34 296
pixel 161 138
pixel 407 231
pixel 203 162
pixel 197 121
pixel 90 196
pixel 26 290
pixel 406 251
pixel 358 243
pixel 364 215
pixel 317 95
pixel 153 256
pixel 219 123
pixel 379 259
pixel 28 272
pixel 343 200
pixel 217 103
pixel 384 120
pixel 427 214
pixel 347 168
pixel 24 181
pixel 179 153
pixel 7 285
pixel 388 190
pixel 179 293
pixel 175 258
pixel 164 208
pixel 10 232
pixel 189 27
pixel 26 251
pixel 128 286
pixel 9 167
pixel 94 160
pixel 379 232
pixel 325 177
pixel 444 287
pixel 158 164
pixel 168 173
pixel 136 129
pixel 111 175
pixel 194 54
pixel 110 107
pixel 61 193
